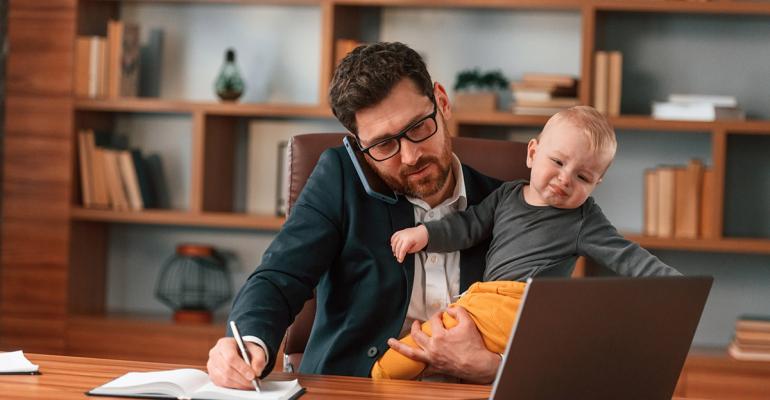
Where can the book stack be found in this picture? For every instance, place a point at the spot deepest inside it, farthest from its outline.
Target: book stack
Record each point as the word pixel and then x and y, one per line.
pixel 752 339
pixel 608 80
pixel 108 67
pixel 544 94
pixel 695 107
pixel 678 201
pixel 112 178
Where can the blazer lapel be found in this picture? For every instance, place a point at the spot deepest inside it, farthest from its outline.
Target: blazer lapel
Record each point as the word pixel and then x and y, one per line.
pixel 402 217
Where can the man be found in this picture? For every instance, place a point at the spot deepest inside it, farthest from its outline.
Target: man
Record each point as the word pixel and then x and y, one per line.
pixel 337 239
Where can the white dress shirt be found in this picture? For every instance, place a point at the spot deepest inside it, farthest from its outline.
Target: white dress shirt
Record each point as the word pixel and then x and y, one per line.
pixel 436 275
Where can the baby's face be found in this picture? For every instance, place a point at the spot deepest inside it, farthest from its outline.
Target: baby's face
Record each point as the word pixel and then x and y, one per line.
pixel 565 170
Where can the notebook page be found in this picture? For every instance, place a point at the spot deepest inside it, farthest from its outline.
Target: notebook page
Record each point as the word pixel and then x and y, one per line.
pixel 271 390
pixel 177 382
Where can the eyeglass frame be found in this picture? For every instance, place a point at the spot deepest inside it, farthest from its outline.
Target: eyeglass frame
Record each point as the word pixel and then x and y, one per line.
pixel 403 134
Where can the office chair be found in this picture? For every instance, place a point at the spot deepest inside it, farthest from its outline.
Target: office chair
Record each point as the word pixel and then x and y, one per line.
pixel 503 160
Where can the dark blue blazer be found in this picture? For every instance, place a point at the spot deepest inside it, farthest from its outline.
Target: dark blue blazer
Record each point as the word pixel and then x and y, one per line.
pixel 337 241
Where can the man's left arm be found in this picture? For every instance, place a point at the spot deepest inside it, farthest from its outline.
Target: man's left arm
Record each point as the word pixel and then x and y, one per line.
pixel 458 351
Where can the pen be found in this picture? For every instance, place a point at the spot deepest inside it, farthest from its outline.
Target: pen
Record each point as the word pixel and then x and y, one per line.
pixel 244 354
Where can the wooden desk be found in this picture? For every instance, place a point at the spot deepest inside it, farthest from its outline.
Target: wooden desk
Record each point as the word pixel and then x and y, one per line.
pixel 70 377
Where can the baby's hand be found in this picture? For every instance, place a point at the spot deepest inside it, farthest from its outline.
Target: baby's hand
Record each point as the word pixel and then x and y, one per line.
pixel 410 240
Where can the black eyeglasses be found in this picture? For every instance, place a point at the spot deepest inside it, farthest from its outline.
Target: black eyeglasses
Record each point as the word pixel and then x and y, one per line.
pixel 416 132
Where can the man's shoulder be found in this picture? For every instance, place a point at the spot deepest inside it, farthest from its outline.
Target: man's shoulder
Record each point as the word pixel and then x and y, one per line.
pixel 478 185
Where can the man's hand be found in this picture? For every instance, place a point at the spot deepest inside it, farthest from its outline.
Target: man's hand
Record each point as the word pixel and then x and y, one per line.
pixel 458 351
pixel 227 368
pixel 410 240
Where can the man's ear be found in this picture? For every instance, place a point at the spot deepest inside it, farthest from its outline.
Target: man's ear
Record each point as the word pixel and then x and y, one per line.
pixel 442 100
pixel 531 148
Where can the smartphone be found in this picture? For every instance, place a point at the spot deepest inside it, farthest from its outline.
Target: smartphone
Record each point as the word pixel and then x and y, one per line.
pixel 373 184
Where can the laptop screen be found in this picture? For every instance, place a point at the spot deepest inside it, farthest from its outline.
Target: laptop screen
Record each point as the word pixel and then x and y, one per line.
pixel 601 338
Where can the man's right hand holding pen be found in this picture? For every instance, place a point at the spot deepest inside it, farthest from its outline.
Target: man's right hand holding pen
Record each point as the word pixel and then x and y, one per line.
pixel 227 369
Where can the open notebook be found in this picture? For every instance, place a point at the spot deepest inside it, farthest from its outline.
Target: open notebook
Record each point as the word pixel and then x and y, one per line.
pixel 190 384
pixel 14 362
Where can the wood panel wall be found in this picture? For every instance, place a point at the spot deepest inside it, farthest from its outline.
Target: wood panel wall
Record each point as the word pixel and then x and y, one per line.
pixel 37 165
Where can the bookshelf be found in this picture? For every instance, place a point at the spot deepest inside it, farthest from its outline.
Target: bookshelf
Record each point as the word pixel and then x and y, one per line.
pixel 54 251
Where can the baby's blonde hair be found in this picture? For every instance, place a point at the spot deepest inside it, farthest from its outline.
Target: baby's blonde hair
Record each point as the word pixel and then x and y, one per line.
pixel 592 123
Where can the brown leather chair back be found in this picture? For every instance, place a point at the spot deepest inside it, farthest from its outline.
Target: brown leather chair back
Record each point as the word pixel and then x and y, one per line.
pixel 503 160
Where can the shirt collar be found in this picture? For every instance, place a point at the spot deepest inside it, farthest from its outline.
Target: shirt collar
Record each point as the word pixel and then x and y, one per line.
pixel 457 199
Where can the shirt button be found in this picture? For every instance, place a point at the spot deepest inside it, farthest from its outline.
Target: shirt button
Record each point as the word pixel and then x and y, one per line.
pixel 430 214
pixel 432 259
pixel 372 352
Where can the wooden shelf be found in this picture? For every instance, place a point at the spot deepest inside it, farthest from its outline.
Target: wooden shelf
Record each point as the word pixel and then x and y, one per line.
pixel 646 122
pixel 148 105
pixel 724 245
pixel 499 118
pixel 520 4
pixel 255 2
pixel 695 7
pixel 184 218
pixel 714 7
pixel 638 122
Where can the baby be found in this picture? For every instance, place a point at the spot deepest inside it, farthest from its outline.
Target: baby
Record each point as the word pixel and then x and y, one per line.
pixel 536 226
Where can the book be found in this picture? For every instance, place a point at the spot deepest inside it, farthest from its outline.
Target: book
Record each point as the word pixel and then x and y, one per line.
pixel 556 79
pixel 188 383
pixel 543 89
pixel 651 202
pixel 146 188
pixel 531 94
pixel 688 188
pixel 547 111
pixel 86 170
pixel 738 352
pixel 156 177
pixel 708 213
pixel 15 363
pixel 564 102
pixel 151 65
pixel 695 112
pixel 90 66
pixel 124 50
pixel 666 201
pixel 748 337
pixel 753 323
pixel 130 180
pixel 115 186
pixel 614 82
pixel 601 74
pixel 717 100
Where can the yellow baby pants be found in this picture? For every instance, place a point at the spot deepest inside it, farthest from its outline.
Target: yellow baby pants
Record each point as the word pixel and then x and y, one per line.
pixel 493 306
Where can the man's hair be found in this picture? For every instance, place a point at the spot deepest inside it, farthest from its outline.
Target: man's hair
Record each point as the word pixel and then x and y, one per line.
pixel 592 123
pixel 367 74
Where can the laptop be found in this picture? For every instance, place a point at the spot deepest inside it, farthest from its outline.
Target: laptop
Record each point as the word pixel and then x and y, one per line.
pixel 601 338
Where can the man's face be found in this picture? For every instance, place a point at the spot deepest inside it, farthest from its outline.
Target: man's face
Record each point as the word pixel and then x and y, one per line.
pixel 420 169
pixel 565 170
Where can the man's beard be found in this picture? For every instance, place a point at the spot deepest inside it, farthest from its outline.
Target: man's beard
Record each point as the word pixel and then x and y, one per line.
pixel 428 185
